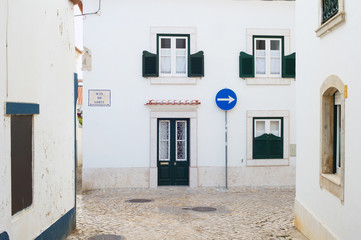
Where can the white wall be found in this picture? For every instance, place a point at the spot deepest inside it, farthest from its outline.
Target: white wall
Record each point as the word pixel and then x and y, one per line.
pixel 118 136
pixel 41 63
pixel 337 52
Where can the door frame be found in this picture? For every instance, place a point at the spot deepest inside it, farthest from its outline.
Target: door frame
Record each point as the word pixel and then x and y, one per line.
pixel 189 112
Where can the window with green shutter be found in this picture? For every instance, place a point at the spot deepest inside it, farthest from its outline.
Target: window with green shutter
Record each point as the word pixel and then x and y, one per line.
pixel 173 58
pixel 150 64
pixel 329 9
pixel 268 59
pixel 267 138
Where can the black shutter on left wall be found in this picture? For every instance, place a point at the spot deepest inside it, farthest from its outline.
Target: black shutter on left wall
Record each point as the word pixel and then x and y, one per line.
pixel 289 66
pixel 196 65
pixel 150 64
pixel 246 65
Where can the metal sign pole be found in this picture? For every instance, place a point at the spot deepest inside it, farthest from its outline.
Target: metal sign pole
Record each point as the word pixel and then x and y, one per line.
pixel 226 147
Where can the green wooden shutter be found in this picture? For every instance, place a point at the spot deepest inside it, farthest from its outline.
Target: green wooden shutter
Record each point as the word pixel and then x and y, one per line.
pixel 260 147
pixel 150 64
pixel 275 146
pixel 289 66
pixel 196 65
pixel 246 65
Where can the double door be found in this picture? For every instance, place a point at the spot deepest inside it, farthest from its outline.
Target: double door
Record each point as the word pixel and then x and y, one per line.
pixel 173 152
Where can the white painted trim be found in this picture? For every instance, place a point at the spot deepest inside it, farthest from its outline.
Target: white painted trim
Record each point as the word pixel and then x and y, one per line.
pixel 192 31
pixel 267 162
pixel 173 81
pixel 286 136
pixel 174 111
pixel 268 81
pixel 286 33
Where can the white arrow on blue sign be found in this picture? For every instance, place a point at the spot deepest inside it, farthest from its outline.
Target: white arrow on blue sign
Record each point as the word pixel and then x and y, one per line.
pixel 226 99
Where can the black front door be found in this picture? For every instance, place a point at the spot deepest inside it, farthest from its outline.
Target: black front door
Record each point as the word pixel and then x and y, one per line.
pixel 173 152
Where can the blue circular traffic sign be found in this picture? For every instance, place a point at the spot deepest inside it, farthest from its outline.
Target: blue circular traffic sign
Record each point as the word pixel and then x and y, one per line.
pixel 226 99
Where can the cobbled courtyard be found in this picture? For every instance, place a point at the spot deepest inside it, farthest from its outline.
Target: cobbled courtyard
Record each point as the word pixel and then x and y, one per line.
pixel 243 213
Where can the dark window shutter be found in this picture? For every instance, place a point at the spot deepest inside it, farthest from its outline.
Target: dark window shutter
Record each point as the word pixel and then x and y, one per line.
pixel 150 64
pixel 275 145
pixel 260 147
pixel 289 66
pixel 246 65
pixel 196 65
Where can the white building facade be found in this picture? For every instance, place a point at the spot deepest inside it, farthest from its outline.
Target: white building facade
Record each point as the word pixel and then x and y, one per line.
pixel 152 72
pixel 328 198
pixel 37 64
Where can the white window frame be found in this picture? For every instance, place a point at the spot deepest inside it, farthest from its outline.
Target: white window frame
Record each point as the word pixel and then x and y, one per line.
pixel 169 80
pixel 173 56
pixel 160 140
pixel 185 140
pixel 267 57
pixel 286 33
pixel 268 125
pixel 286 138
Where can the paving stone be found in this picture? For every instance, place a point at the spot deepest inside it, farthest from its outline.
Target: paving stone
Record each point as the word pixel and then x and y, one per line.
pixel 242 213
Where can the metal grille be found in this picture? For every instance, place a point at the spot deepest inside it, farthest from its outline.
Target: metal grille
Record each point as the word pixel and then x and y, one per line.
pixel 329 9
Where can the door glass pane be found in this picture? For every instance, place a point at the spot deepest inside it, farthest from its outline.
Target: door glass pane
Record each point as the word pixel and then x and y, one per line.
pixel 164 150
pixel 260 128
pixel 165 43
pixel 181 130
pixel 275 128
pixel 164 140
pixel 181 151
pixel 164 130
pixel 181 135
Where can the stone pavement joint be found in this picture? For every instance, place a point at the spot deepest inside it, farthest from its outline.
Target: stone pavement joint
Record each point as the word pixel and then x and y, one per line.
pixel 242 213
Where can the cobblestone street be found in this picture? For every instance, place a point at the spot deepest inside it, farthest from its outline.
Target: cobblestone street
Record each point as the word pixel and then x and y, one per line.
pixel 250 214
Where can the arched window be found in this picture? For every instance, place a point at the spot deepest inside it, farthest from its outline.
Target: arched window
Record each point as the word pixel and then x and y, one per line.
pixel 332 136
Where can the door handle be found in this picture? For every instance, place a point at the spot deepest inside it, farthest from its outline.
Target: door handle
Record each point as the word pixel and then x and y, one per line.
pixel 175 163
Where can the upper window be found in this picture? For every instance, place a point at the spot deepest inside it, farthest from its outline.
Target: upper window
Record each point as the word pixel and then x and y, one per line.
pixel 268 55
pixel 173 55
pixel 173 60
pixel 329 9
pixel 266 61
pixel 331 14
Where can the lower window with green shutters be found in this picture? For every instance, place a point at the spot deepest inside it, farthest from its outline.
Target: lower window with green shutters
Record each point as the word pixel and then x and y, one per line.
pixel 268 138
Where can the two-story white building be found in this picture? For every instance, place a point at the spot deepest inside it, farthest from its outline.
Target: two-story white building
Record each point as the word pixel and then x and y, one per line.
pixel 328 192
pixel 152 70
pixel 37 115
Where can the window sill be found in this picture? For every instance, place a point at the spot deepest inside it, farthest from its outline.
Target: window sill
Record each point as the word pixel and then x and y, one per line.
pixel 267 162
pixel 268 81
pixel 333 184
pixel 173 81
pixel 330 24
pixel 334 178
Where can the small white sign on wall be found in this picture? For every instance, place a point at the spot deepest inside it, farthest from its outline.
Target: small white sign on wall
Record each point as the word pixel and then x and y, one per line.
pixel 98 98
